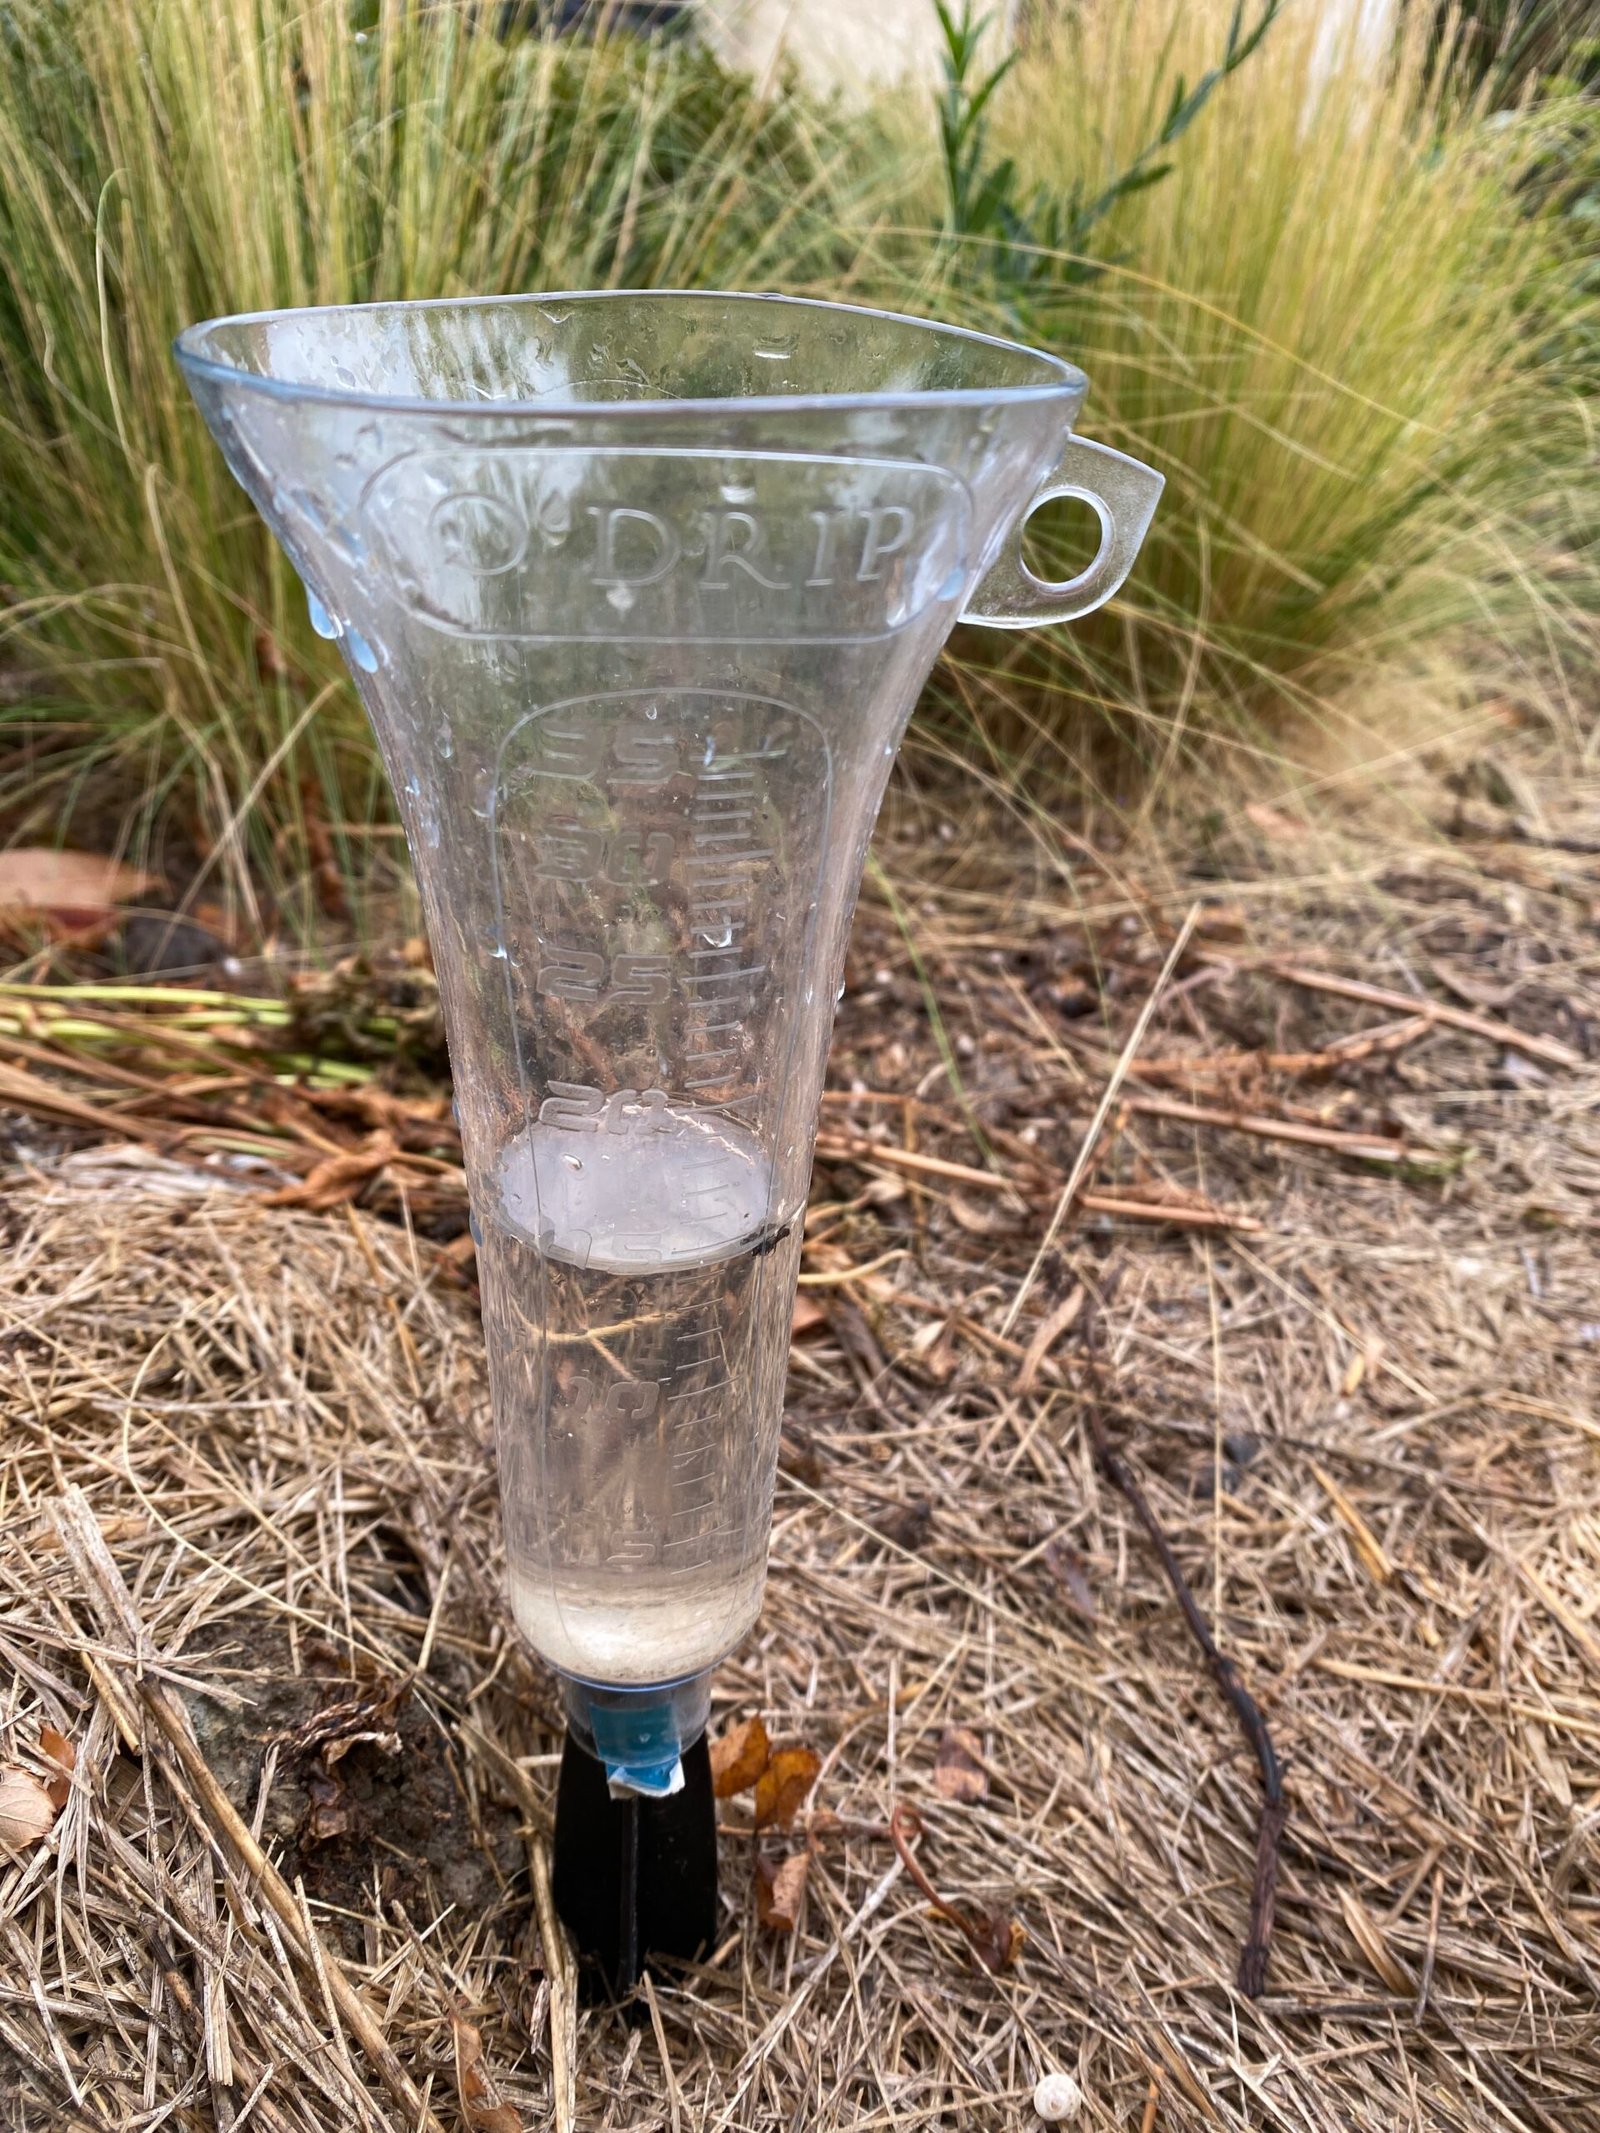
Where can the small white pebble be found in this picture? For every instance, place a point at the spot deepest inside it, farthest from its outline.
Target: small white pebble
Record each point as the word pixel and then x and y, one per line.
pixel 1056 2098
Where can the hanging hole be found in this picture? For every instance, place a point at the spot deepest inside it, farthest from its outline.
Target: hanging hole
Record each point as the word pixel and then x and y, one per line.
pixel 1061 537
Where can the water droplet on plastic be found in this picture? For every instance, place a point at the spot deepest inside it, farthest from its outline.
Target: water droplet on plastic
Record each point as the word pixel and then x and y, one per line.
pixel 344 375
pixel 360 651
pixel 652 710
pixel 778 348
pixel 574 1163
pixel 473 1229
pixel 839 995
pixel 737 492
pixel 444 742
pixel 556 314
pixel 953 586
pixel 710 755
pixel 621 598
pixel 321 621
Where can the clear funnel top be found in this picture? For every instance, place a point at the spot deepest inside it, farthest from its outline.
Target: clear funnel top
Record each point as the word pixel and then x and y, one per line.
pixel 639 592
pixel 629 352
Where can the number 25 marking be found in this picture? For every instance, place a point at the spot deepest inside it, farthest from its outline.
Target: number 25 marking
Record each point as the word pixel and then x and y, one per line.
pixel 575 974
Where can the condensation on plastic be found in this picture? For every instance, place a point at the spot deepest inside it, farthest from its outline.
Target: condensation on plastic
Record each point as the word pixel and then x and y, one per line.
pixel 638 592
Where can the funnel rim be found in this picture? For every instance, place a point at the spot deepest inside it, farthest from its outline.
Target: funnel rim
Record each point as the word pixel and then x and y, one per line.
pixel 1068 384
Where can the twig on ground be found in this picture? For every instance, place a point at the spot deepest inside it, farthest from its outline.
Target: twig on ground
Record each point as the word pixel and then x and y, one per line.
pixel 855 1148
pixel 1252 1973
pixel 1182 1214
pixel 995 1940
pixel 1341 1052
pixel 1550 1049
pixel 1366 1147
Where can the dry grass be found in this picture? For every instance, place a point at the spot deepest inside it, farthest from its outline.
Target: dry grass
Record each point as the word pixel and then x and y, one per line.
pixel 279 1418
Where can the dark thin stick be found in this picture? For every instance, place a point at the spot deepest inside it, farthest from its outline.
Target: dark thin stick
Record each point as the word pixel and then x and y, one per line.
pixel 1252 1976
pixel 628 1926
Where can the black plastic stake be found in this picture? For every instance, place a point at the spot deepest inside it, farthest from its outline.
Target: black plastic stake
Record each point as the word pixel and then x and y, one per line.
pixel 634 1877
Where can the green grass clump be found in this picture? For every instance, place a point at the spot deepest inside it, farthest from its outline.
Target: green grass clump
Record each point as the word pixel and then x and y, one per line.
pixel 1340 327
pixel 1342 306
pixel 163 161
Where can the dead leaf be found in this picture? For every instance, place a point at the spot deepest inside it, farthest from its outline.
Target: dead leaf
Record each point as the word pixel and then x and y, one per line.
pixel 908 1524
pixel 337 1178
pixel 958 1772
pixel 997 1939
pixel 60 1751
pixel 1048 1332
pixel 782 1787
pixel 1282 828
pixel 808 1315
pixel 988 1220
pixel 1364 1360
pixel 1368 1937
pixel 1476 992
pixel 336 1750
pixel 73 892
pixel 739 1757
pixel 799 1457
pixel 328 1814
pixel 1223 922
pixel 780 1890
pixel 482 2105
pixel 1069 1569
pixel 27 1812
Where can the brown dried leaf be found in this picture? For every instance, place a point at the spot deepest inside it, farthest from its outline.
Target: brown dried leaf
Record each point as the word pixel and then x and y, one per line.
pixel 958 1772
pixel 799 1457
pixel 782 1787
pixel 482 2105
pixel 339 1747
pixel 61 1752
pixel 987 1219
pixel 27 1812
pixel 1049 1331
pixel 336 1178
pixel 328 1814
pixel 1069 1569
pixel 997 1939
pixel 70 891
pixel 739 1757
pixel 808 1315
pixel 1282 828
pixel 780 1890
pixel 908 1524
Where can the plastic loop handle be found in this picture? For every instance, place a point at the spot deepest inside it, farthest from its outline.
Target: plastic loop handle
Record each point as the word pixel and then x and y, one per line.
pixel 1121 492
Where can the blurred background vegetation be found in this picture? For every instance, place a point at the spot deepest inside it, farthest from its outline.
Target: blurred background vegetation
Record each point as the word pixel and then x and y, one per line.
pixel 1346 302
